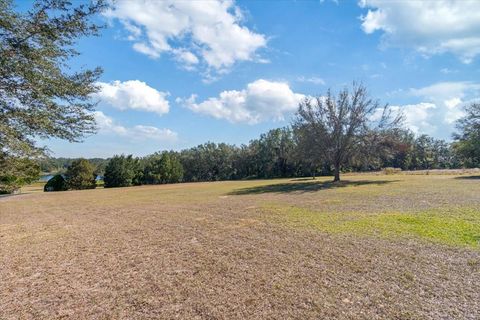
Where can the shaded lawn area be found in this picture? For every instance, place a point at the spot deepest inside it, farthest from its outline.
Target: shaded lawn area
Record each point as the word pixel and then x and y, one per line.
pixel 468 177
pixel 311 186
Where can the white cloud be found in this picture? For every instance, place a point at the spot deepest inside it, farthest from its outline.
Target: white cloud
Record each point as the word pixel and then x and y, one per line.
pixel 448 71
pixel 417 117
pixel 442 105
pixel 430 27
pixel 149 132
pixel 314 80
pixel 107 124
pixel 454 110
pixel 192 31
pixel 133 94
pixel 137 133
pixel 261 100
pixel 186 58
pixel 447 90
pixel 450 97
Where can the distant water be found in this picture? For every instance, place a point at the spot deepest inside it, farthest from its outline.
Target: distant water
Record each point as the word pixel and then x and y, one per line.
pixel 45 178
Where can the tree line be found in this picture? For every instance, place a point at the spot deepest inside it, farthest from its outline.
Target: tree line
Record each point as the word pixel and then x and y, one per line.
pixel 275 154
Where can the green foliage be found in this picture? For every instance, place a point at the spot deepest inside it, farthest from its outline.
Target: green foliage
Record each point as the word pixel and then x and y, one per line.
pixel 283 152
pixel 457 227
pixel 344 129
pixel 163 168
pixel 81 175
pixel 16 172
pixel 208 162
pixel 122 171
pixel 274 154
pixel 420 153
pixel 56 183
pixel 39 96
pixel 467 145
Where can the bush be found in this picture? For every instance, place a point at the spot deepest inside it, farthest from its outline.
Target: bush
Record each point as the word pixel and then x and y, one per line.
pixel 122 171
pixel 81 175
pixel 391 170
pixel 56 183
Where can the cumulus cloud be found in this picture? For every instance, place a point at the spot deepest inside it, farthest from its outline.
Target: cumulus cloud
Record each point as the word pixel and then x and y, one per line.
pixel 447 90
pixel 430 27
pixel 138 133
pixel 441 107
pixel 417 117
pixel 261 100
pixel 192 31
pixel 133 94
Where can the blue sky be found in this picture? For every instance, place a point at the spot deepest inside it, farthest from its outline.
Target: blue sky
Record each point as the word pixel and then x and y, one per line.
pixel 177 74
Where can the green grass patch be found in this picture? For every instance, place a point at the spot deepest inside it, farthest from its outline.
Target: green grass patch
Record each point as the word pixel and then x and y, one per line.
pixel 456 226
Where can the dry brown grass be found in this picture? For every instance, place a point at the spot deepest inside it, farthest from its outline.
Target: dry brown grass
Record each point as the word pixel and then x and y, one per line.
pixel 224 251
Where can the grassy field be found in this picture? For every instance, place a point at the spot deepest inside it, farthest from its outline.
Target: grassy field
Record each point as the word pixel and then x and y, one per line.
pixel 370 247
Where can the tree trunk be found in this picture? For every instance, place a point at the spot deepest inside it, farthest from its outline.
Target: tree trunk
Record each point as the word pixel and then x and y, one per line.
pixel 337 173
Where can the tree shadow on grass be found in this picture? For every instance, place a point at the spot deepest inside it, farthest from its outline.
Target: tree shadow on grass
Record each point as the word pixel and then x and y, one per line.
pixel 304 179
pixel 468 177
pixel 302 187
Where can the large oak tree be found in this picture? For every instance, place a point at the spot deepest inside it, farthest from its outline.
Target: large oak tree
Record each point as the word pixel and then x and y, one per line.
pixel 40 96
pixel 346 128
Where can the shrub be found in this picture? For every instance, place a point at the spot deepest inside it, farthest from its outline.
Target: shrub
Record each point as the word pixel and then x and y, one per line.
pixel 81 175
pixel 56 183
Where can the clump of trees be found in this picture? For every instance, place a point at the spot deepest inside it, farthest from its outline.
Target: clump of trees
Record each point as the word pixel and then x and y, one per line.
pixel 122 171
pixel 467 140
pixel 163 168
pixel 159 168
pixel 421 153
pixel 81 175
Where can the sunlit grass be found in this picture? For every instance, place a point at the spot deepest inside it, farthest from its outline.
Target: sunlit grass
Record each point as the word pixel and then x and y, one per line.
pixel 455 226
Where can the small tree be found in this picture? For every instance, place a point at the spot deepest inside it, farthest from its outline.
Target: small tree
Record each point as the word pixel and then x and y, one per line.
pixel 81 175
pixel 345 128
pixel 56 183
pixel 164 169
pixel 122 171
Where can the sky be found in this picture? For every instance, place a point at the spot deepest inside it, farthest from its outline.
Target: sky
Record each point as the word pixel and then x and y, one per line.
pixel 181 73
